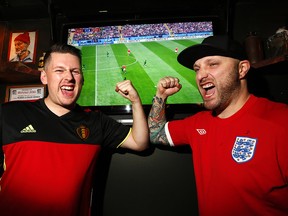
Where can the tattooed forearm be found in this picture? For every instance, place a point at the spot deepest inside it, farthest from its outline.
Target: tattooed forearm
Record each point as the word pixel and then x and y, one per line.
pixel 157 120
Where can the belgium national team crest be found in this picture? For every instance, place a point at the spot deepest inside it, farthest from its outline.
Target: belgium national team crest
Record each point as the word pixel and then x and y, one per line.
pixel 243 149
pixel 83 132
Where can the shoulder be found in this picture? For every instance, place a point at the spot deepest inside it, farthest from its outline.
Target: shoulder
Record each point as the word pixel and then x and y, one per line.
pixel 90 114
pixel 15 110
pixel 12 106
pixel 271 106
pixel 28 58
pixel 201 116
pixel 272 111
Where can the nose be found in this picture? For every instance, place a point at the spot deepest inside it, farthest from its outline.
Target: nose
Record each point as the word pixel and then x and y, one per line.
pixel 69 75
pixel 201 74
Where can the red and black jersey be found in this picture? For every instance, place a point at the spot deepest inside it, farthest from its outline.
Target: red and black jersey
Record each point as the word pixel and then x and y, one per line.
pixel 49 160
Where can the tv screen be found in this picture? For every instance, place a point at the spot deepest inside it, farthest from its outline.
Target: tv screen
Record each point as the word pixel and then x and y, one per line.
pixel 142 51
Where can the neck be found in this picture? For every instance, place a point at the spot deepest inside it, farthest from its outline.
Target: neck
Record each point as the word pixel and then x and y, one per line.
pixel 57 109
pixel 235 104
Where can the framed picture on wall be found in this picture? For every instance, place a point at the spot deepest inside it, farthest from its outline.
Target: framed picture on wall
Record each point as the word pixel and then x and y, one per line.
pixel 22 46
pixel 25 92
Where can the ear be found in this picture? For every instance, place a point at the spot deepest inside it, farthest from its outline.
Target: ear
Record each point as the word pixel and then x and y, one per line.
pixel 43 77
pixel 244 67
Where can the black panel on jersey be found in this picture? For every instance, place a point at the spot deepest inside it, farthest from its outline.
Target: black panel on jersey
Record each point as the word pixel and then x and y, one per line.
pixel 22 121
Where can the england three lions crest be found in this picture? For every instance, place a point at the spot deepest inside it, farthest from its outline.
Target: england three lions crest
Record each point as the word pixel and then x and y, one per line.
pixel 243 149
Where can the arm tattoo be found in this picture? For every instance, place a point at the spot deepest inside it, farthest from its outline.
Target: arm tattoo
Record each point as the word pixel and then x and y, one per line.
pixel 157 121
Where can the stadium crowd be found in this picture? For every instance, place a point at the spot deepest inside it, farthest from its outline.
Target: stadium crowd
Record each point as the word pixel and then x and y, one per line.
pixel 125 32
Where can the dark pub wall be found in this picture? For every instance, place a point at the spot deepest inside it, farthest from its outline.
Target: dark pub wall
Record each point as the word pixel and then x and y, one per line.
pixel 161 180
pixel 11 73
pixel 264 18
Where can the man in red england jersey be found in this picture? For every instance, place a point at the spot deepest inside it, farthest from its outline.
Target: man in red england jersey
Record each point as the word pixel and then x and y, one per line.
pixel 51 145
pixel 239 141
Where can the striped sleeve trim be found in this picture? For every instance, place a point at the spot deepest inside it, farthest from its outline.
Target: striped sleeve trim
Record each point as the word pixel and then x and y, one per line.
pixel 125 138
pixel 168 135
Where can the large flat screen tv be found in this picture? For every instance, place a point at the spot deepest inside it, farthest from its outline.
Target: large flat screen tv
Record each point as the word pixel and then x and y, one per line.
pixel 142 51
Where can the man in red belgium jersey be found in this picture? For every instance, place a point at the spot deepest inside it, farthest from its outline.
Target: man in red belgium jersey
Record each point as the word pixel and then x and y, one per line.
pixel 50 146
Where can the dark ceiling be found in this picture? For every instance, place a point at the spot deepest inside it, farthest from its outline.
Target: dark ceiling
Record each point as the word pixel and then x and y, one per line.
pixel 86 11
pixel 83 10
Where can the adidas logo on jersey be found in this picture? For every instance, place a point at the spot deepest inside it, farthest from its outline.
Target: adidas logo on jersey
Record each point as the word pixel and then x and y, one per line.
pixel 28 129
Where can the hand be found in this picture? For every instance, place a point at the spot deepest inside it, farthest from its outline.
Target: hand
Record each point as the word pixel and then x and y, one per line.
pixel 168 86
pixel 127 90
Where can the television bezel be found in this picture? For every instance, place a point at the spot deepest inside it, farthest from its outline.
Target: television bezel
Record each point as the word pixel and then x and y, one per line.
pixel 119 110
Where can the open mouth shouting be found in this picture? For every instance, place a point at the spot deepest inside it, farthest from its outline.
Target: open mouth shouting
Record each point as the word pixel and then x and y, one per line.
pixel 208 90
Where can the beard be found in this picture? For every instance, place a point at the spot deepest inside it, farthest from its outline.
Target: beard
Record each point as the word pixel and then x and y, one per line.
pixel 227 90
pixel 20 52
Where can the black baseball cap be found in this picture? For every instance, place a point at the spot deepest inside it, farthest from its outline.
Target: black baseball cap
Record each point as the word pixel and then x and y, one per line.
pixel 221 45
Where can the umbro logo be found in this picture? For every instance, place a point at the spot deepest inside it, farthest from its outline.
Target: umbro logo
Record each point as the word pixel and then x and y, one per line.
pixel 201 131
pixel 28 129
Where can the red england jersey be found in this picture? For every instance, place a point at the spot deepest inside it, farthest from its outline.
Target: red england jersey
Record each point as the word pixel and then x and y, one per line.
pixel 241 162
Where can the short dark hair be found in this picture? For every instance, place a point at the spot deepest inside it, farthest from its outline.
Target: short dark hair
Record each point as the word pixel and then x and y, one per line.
pixel 63 48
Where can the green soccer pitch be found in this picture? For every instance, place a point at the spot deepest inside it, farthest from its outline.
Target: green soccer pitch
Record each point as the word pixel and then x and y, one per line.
pixel 102 68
